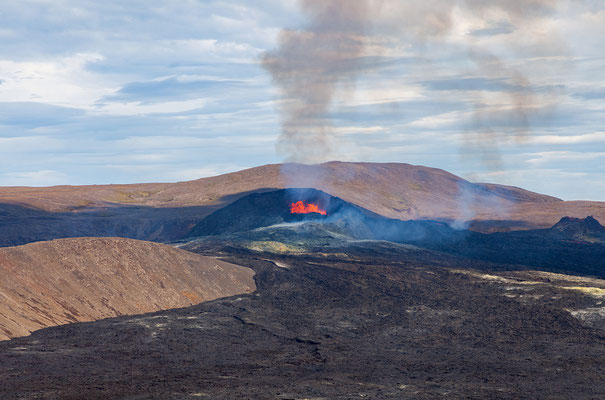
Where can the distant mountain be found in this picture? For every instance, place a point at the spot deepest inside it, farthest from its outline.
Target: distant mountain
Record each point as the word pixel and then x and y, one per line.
pixel 168 211
pixel 84 279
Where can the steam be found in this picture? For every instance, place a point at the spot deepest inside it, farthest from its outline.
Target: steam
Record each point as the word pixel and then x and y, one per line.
pixel 343 39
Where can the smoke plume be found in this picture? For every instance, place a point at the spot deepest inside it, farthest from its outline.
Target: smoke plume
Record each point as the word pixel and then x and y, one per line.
pixel 309 66
pixel 314 64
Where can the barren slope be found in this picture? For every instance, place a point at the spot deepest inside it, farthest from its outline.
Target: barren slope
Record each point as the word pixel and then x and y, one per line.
pixel 69 280
pixel 402 188
pixel 394 190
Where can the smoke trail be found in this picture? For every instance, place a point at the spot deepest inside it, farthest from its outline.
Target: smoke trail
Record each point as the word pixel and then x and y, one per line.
pixel 519 99
pixel 313 64
pixel 309 66
pixel 504 112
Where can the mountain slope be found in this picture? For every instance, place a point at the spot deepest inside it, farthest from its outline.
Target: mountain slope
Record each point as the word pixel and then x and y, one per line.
pixel 402 188
pixel 167 211
pixel 83 279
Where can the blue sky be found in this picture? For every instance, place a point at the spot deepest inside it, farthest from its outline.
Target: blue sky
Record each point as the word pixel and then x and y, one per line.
pixel 146 91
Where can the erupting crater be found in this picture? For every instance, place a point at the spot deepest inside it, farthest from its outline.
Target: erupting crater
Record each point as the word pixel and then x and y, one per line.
pixel 301 208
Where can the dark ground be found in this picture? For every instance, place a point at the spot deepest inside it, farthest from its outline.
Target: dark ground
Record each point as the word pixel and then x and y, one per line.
pixel 330 327
pixel 573 245
pixel 21 225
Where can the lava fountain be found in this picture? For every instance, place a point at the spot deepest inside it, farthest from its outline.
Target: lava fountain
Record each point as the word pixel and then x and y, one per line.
pixel 301 208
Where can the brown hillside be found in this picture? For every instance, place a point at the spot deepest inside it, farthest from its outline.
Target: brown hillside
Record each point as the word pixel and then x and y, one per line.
pixel 84 279
pixel 394 190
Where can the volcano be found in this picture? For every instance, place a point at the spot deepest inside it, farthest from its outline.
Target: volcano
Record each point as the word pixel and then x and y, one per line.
pixel 572 245
pixel 272 211
pixel 264 209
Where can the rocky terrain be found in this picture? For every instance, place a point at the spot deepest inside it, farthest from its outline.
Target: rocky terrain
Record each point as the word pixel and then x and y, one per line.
pixel 337 327
pixel 573 245
pixel 84 279
pixel 168 211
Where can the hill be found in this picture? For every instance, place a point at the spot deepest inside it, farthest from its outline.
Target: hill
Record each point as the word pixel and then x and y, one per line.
pixel 168 211
pixel 83 279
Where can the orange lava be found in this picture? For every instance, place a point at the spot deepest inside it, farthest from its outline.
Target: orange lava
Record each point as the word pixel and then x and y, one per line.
pixel 301 208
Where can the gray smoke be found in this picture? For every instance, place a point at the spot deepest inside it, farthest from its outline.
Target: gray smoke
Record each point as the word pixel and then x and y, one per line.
pixel 314 64
pixel 309 66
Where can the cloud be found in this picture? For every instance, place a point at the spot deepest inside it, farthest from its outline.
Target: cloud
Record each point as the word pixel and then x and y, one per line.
pixel 34 114
pixel 171 88
pixel 557 157
pixel 62 81
pixel 591 94
pixel 499 28
pixel 135 108
pixel 564 184
pixel 28 144
pixel 33 178
pixel 478 84
pixel 596 137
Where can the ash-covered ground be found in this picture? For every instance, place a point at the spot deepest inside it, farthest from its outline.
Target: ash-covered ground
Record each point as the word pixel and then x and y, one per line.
pixel 410 324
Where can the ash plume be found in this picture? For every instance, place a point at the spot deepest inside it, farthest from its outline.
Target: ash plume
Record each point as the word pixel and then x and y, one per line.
pixel 314 64
pixel 309 66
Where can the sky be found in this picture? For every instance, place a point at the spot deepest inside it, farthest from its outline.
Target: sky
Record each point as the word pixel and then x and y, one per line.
pixel 509 92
